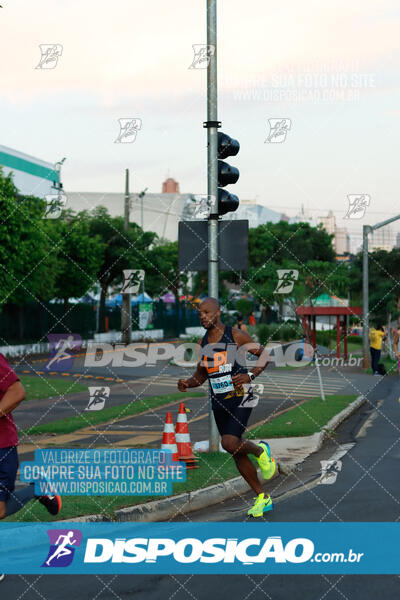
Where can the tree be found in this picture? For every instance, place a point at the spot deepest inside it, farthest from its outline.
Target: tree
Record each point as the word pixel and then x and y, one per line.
pixel 122 250
pixel 384 285
pixel 27 267
pixel 79 254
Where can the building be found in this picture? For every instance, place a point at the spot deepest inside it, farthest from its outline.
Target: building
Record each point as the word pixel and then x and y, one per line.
pixel 32 176
pixel 398 240
pixel 328 223
pixel 170 186
pixel 256 214
pixel 341 237
pixel 304 217
pixel 383 239
pixel 161 213
pixel 341 241
pixel 154 212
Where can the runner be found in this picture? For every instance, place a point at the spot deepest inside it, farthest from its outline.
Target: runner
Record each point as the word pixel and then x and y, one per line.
pixel 11 394
pixel 224 365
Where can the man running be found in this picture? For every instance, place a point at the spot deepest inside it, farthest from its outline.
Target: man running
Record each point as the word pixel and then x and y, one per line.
pixel 223 363
pixel 11 394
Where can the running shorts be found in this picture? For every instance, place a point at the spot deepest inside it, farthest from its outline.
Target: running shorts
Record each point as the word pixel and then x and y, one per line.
pixel 232 421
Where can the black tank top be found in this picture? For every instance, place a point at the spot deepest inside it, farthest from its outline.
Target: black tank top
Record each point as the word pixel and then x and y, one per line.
pixel 222 360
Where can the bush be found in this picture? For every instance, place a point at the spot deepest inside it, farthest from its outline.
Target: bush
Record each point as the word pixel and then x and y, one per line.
pixel 275 331
pixel 244 307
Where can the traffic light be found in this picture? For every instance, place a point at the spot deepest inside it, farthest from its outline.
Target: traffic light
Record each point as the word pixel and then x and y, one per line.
pixel 226 173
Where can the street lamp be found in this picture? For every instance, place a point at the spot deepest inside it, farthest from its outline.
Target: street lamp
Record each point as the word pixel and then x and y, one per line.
pixel 367 229
pixel 141 196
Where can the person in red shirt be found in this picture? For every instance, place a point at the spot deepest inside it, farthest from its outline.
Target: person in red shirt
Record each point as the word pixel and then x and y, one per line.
pixel 12 393
pixel 252 320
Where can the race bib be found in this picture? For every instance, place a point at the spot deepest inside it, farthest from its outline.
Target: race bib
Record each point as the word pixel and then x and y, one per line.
pixel 220 385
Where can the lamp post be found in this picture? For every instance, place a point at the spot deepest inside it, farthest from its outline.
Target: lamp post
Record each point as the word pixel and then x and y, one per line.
pixel 367 229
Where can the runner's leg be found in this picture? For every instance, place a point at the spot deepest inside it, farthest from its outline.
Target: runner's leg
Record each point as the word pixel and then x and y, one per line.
pixel 240 449
pixel 18 499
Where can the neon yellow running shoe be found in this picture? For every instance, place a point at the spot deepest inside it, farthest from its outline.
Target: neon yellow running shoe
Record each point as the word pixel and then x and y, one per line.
pixel 266 462
pixel 261 505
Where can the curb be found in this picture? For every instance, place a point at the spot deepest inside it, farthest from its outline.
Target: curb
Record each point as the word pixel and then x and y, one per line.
pixel 167 508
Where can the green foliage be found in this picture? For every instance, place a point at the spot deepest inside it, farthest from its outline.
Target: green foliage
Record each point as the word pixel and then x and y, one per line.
pixel 27 265
pixel 384 283
pixel 78 251
pixel 278 331
pixel 244 307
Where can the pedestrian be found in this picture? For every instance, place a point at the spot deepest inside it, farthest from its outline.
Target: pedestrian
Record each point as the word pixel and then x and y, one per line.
pixel 224 365
pixel 240 324
pixel 252 320
pixel 12 393
pixel 396 345
pixel 376 337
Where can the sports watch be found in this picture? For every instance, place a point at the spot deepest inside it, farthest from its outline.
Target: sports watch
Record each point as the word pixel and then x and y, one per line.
pixel 251 375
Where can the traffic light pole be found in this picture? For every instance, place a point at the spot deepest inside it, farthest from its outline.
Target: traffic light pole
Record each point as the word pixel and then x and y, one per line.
pixel 126 309
pixel 212 182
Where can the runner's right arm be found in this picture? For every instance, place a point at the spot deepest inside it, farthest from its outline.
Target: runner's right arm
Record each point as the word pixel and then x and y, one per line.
pixel 12 397
pixel 198 378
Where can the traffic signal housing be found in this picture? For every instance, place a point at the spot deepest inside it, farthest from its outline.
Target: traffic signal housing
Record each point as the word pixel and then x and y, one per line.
pixel 227 174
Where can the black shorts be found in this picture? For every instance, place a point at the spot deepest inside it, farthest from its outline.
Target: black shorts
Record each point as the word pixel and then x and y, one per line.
pixel 8 471
pixel 232 421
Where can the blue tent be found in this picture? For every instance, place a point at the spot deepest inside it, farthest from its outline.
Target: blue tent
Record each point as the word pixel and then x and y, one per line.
pixel 117 300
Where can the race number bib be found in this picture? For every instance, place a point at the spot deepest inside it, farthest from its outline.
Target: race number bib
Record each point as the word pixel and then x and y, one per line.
pixel 220 385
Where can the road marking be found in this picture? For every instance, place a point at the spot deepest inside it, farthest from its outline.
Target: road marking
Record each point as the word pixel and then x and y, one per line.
pixel 363 430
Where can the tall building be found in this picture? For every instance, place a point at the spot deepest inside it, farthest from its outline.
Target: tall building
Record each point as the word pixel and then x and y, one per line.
pixel 341 239
pixel 328 222
pixel 383 239
pixel 398 240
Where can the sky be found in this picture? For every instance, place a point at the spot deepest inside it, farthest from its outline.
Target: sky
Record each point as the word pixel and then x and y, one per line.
pixel 330 68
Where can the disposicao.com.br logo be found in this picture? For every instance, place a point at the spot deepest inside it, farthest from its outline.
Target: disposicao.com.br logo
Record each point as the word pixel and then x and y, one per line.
pixel 247 551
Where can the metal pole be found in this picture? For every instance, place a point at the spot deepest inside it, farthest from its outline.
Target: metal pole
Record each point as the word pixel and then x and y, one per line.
pixel 126 310
pixel 366 231
pixel 321 387
pixel 212 182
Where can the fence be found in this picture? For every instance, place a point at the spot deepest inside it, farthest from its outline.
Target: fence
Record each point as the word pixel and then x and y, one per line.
pixel 32 322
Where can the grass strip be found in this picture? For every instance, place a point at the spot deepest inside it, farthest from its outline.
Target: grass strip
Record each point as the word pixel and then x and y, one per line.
pixel 391 366
pixel 71 424
pixel 306 419
pixel 213 468
pixel 39 388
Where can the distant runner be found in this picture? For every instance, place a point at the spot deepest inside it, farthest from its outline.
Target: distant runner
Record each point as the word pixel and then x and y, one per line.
pixel 11 394
pixel 224 365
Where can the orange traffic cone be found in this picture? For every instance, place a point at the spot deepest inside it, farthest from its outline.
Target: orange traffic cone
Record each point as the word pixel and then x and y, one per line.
pixel 168 439
pixel 183 439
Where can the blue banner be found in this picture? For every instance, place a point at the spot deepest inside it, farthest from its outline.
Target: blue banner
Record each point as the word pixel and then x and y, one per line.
pixel 99 472
pixel 213 548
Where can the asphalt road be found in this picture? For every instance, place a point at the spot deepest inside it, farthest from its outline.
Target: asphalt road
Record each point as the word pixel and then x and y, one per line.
pixel 367 488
